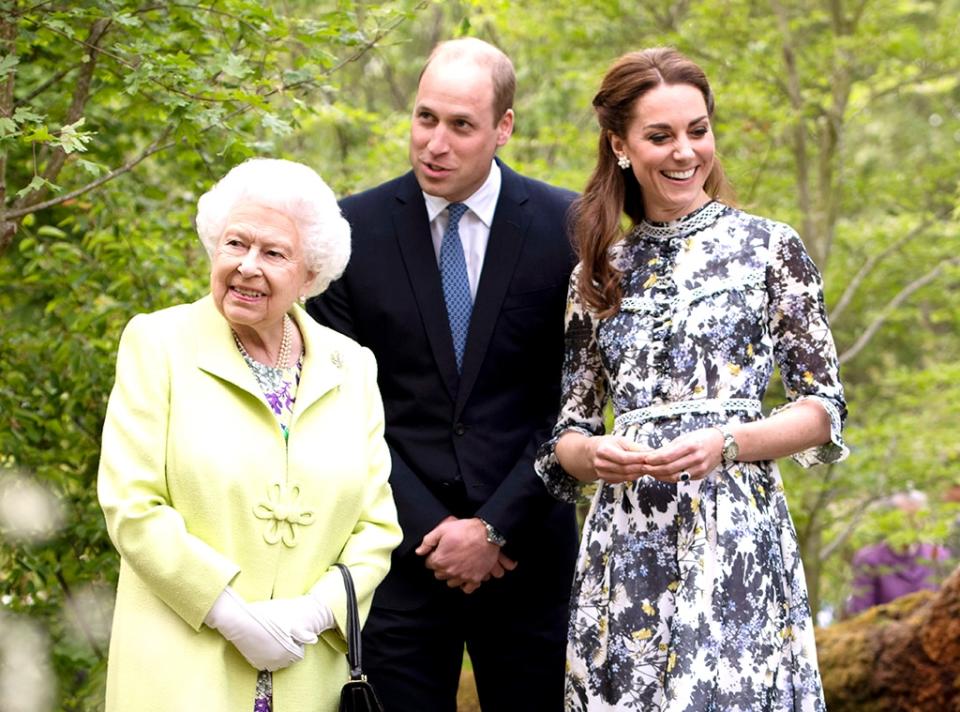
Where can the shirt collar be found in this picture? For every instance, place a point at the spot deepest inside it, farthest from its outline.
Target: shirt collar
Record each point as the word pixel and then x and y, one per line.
pixel 483 203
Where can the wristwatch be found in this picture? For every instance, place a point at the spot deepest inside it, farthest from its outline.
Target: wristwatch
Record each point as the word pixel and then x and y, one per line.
pixel 494 536
pixel 730 448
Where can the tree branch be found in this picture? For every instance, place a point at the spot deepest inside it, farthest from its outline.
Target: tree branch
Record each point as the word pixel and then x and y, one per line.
pixel 153 148
pixel 379 35
pixel 871 263
pixel 897 300
pixel 795 93
pixel 133 66
pixel 911 83
pixel 8 36
pixel 32 202
pixel 824 494
pixel 46 85
pixel 849 528
pixel 81 94
pixel 210 10
pixel 858 13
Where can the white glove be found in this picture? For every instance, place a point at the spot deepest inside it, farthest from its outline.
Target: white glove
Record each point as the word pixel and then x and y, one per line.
pixel 259 640
pixel 304 618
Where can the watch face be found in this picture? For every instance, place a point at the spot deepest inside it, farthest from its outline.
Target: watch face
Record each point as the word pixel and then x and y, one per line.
pixel 730 447
pixel 493 536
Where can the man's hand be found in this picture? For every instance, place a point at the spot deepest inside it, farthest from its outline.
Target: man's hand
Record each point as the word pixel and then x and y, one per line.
pixel 457 551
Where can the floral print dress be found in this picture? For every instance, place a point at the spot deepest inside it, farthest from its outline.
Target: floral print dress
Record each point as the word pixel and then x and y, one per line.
pixel 691 597
pixel 279 387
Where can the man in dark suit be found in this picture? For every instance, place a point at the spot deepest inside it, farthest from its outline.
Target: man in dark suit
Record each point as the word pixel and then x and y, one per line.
pixel 457 282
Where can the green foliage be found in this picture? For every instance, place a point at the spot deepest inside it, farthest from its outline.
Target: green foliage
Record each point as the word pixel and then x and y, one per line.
pixel 114 117
pixel 841 119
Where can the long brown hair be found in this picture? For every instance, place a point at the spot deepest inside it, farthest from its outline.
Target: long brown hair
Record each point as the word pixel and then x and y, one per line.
pixel 611 191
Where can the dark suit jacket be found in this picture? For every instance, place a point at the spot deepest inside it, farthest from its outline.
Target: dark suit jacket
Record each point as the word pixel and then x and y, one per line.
pixel 463 444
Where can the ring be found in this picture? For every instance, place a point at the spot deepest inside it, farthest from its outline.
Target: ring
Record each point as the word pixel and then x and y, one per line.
pixel 684 476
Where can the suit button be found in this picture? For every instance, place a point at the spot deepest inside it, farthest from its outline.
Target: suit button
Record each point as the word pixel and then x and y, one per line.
pixel 459 429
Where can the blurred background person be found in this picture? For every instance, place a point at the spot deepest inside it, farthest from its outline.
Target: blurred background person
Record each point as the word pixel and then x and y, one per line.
pixel 885 571
pixel 242 456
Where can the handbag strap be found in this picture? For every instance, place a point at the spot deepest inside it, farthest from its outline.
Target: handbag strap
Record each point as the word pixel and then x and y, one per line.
pixel 353 625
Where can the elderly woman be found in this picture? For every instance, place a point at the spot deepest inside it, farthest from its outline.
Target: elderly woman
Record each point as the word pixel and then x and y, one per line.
pixel 243 456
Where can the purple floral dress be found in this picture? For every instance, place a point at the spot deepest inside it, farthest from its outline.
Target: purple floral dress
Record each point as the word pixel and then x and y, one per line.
pixel 691 597
pixel 279 387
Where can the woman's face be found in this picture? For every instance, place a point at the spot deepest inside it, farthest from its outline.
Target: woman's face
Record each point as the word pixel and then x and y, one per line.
pixel 258 268
pixel 670 145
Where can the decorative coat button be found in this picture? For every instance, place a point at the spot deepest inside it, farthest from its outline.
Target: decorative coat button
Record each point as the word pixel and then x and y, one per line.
pixel 459 429
pixel 283 514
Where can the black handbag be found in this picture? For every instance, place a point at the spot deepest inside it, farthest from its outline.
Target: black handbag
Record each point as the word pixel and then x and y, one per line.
pixel 357 694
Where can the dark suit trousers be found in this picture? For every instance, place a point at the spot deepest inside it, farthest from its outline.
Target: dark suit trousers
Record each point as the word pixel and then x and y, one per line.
pixel 516 642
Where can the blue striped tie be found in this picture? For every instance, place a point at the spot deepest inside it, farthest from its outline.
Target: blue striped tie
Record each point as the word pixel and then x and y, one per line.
pixel 456 283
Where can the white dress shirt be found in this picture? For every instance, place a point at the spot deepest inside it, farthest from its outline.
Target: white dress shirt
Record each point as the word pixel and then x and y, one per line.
pixel 474 225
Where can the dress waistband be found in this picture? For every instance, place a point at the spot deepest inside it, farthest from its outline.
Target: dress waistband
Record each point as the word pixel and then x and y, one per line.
pixel 668 410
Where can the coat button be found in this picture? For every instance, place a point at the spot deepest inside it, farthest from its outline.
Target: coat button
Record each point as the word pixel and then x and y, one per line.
pixel 459 429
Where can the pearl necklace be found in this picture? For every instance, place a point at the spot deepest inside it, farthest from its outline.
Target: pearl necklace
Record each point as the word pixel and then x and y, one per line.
pixel 284 354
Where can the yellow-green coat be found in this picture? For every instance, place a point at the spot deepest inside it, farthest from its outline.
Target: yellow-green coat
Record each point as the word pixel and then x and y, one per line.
pixel 200 490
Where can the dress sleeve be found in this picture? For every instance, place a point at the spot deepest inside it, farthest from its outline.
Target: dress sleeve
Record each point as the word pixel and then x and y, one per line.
pixel 803 345
pixel 583 393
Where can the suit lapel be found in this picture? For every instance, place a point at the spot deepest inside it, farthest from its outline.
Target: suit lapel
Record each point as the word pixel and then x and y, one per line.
pixel 413 236
pixel 507 235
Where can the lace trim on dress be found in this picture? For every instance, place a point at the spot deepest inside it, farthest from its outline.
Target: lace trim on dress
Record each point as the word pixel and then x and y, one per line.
pixel 661 286
pixel 683 227
pixel 646 305
pixel 834 450
pixel 675 408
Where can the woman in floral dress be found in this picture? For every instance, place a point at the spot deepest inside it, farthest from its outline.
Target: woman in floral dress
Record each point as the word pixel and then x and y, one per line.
pixel 689 593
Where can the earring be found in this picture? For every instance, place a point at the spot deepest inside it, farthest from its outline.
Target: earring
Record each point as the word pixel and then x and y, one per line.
pixel 623 161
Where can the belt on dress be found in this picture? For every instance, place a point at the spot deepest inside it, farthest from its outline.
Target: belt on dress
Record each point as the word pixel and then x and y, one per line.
pixel 669 410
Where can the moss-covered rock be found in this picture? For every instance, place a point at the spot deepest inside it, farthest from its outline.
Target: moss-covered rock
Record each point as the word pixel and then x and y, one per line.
pixel 900 657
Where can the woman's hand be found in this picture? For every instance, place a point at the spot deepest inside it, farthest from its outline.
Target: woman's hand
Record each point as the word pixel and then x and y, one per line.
pixel 695 454
pixel 610 458
pixel 617 459
pixel 303 618
pixel 264 644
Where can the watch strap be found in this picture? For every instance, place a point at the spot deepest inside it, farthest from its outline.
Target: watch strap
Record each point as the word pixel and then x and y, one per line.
pixel 730 448
pixel 493 534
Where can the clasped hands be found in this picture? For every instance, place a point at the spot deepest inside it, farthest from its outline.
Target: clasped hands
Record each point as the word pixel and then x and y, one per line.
pixel 457 551
pixel 616 459
pixel 270 634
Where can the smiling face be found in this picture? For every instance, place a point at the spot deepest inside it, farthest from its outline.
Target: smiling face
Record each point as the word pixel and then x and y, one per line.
pixel 454 135
pixel 258 269
pixel 670 145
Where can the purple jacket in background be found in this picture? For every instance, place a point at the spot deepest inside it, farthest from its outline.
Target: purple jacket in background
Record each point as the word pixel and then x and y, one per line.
pixel 882 574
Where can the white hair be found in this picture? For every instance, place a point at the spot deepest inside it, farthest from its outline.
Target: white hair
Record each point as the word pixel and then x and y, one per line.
pixel 911 500
pixel 293 189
